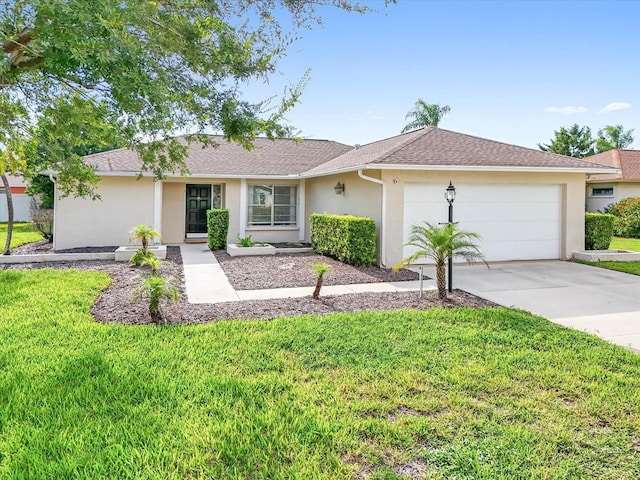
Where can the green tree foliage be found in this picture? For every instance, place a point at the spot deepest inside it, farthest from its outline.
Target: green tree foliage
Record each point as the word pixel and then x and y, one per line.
pixel 438 243
pixel 42 186
pixel 613 137
pixel 425 114
pixel 148 68
pixel 574 141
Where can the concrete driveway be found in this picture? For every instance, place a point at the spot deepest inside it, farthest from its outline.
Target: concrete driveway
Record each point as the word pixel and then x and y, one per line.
pixel 591 299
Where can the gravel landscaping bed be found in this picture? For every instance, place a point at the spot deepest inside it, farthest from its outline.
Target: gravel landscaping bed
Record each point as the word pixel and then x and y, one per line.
pixel 294 270
pixel 114 304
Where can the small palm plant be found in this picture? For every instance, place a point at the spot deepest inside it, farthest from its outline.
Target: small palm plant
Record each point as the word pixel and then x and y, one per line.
pixel 438 242
pixel 143 234
pixel 156 289
pixel 320 268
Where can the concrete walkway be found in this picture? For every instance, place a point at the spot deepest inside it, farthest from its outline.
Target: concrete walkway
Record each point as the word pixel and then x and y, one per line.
pixel 206 282
pixel 204 279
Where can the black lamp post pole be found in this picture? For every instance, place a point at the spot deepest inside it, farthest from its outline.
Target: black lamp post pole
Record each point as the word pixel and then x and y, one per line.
pixel 450 196
pixel 450 275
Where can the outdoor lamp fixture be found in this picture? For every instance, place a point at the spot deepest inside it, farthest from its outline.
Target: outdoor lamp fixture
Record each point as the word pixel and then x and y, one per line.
pixel 450 196
pixel 339 188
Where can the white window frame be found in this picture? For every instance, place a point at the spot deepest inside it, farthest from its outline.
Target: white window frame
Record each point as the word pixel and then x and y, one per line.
pixel 270 203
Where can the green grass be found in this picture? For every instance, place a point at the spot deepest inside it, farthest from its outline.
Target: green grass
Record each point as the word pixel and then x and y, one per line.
pixel 457 393
pixel 626 267
pixel 619 243
pixel 22 234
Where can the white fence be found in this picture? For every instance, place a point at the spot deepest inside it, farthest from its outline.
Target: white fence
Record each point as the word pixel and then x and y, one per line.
pixel 21 203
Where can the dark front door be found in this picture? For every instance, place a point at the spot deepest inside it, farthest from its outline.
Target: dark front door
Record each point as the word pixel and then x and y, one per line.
pixel 198 202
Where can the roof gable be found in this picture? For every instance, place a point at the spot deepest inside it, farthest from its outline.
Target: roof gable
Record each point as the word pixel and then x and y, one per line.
pixel 436 147
pixel 627 161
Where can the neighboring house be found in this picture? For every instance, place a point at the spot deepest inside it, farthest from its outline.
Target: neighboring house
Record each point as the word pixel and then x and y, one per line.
pixel 21 201
pixel 604 190
pixel 526 204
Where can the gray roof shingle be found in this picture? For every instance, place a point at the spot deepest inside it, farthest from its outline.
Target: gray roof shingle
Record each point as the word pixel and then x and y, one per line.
pixel 437 147
pixel 280 157
pixel 424 148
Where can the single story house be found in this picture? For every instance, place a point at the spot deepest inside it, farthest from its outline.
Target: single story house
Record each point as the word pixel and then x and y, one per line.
pixel 604 190
pixel 526 204
pixel 21 201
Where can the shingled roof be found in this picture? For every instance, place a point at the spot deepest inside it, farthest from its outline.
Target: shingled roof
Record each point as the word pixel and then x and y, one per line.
pixel 426 148
pixel 281 157
pixel 627 161
pixel 436 147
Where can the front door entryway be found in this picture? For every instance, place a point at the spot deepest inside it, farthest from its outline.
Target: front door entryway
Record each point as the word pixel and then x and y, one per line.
pixel 198 202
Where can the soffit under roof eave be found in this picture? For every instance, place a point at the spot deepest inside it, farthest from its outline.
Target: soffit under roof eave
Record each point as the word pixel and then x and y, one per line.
pixel 198 175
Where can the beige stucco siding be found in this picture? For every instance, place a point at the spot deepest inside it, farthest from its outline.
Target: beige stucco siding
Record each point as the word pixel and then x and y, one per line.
pixel 360 197
pixel 125 202
pixel 620 190
pixel 173 212
pixel 572 187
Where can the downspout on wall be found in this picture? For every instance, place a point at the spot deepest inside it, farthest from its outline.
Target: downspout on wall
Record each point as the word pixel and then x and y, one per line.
pixel 383 216
pixel 55 208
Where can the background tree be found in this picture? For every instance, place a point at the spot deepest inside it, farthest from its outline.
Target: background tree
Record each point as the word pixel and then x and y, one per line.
pixel 155 67
pixel 425 114
pixel 149 68
pixel 574 141
pixel 613 137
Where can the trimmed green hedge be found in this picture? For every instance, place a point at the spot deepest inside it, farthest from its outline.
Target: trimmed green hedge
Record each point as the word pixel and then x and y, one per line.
pixel 598 231
pixel 627 217
pixel 217 228
pixel 349 239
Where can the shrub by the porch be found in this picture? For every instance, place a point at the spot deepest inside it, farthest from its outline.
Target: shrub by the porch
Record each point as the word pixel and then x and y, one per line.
pixel 217 228
pixel 348 238
pixel 598 231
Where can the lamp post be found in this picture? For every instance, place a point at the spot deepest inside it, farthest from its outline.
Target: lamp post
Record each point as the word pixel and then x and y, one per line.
pixel 450 196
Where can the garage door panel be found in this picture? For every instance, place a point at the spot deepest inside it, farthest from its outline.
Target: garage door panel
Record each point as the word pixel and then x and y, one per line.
pixel 516 231
pixel 516 222
pixel 517 211
pixel 524 250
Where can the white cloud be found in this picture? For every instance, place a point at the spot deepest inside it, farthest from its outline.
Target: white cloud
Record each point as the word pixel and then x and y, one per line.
pixel 377 117
pixel 566 110
pixel 612 107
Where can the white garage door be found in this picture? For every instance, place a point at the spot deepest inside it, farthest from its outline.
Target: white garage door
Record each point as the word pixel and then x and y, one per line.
pixel 515 222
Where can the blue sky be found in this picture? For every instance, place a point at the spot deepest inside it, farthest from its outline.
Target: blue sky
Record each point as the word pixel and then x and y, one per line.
pixel 512 71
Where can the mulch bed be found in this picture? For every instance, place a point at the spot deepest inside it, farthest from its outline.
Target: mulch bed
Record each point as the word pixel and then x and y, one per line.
pixel 114 304
pixel 294 270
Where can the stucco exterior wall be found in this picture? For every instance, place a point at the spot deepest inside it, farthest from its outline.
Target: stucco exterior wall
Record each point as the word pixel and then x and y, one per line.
pixel 125 202
pixel 620 190
pixel 173 212
pixel 361 197
pixel 573 195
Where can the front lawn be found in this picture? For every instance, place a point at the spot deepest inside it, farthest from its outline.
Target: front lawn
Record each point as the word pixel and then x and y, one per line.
pixel 458 393
pixel 619 243
pixel 23 233
pixel 626 267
